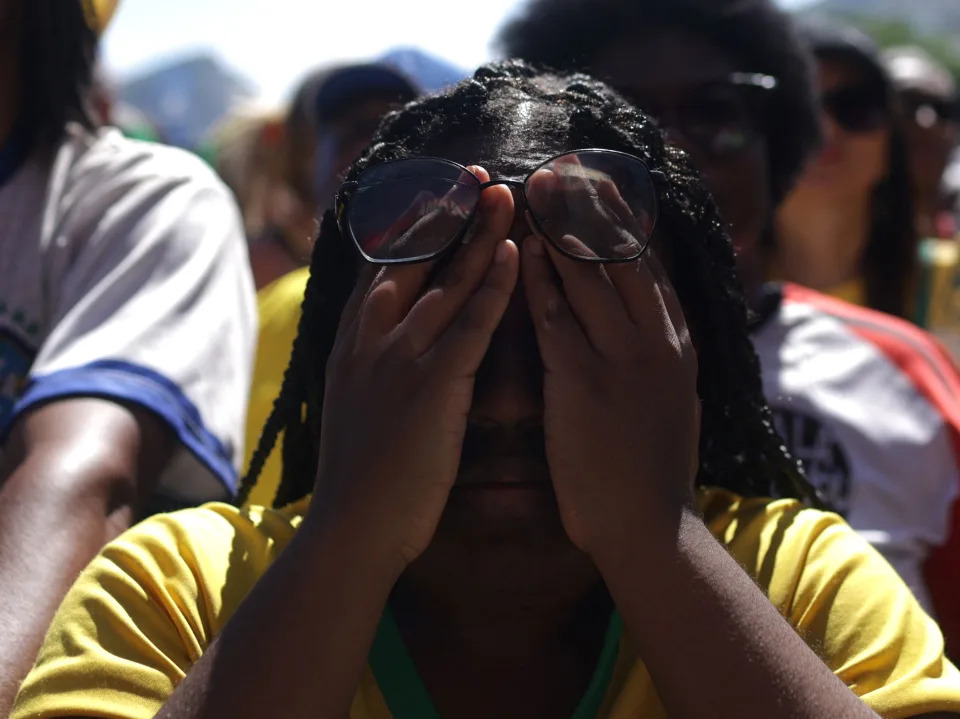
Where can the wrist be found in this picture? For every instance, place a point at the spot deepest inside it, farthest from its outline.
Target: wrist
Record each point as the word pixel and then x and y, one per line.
pixel 649 544
pixel 361 554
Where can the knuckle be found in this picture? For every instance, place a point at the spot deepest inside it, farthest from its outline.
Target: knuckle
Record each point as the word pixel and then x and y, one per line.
pixel 402 347
pixel 475 317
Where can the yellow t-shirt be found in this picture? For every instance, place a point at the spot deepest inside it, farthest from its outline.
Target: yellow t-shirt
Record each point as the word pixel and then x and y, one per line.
pixel 144 611
pixel 938 292
pixel 279 307
pixel 936 300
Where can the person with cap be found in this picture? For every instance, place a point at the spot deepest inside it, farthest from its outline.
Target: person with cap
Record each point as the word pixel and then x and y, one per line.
pixel 127 323
pixel 347 107
pixel 869 403
pixel 931 108
pixel 333 113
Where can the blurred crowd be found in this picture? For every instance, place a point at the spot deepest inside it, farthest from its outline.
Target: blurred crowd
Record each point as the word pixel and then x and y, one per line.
pixel 627 365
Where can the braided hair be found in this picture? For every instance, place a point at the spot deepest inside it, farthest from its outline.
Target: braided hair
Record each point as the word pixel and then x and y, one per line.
pixel 739 449
pixel 58 52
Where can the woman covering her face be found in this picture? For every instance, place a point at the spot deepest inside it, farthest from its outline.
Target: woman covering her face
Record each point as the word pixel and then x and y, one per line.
pixel 524 445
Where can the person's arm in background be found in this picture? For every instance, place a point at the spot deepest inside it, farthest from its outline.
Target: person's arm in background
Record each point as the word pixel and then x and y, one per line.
pixel 72 475
pixel 140 384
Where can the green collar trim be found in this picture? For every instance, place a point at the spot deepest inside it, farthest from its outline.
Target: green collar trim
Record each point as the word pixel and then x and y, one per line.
pixel 407 697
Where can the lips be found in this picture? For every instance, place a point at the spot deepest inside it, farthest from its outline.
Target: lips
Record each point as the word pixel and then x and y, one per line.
pixel 829 156
pixel 503 456
pixel 504 472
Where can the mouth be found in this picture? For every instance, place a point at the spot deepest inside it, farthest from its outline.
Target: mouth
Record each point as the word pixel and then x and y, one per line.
pixel 504 472
pixel 829 157
pixel 497 457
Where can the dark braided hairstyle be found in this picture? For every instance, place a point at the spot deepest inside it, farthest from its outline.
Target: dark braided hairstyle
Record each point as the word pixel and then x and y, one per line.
pixel 58 52
pixel 739 448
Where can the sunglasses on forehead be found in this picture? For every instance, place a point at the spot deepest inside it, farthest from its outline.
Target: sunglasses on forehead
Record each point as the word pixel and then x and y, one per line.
pixel 592 205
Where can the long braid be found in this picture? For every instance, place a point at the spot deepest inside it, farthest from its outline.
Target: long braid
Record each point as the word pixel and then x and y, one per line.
pixel 298 405
pixel 730 378
pixel 739 450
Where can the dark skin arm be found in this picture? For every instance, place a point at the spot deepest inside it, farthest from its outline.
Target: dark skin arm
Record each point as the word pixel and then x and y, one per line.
pixel 712 641
pixel 293 643
pixel 72 474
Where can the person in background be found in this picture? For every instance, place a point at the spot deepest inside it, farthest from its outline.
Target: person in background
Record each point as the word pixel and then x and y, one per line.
pixel 247 151
pixel 349 104
pixel 847 228
pixel 127 324
pixel 333 114
pixel 527 455
pixel 869 404
pixel 931 108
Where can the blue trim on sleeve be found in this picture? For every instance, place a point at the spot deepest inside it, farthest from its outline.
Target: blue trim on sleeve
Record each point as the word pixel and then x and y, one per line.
pixel 126 382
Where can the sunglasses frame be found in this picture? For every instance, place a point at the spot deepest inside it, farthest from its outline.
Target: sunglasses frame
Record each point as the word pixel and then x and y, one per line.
pixel 884 114
pixel 347 189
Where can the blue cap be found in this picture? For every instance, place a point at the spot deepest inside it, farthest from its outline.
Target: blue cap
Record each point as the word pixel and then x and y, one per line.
pixel 351 84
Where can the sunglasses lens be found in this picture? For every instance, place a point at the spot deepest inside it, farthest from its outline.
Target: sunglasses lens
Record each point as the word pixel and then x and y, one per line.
pixel 857 109
pixel 594 205
pixel 928 112
pixel 411 209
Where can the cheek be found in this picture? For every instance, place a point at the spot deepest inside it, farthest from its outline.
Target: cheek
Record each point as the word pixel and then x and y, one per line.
pixel 741 188
pixel 867 157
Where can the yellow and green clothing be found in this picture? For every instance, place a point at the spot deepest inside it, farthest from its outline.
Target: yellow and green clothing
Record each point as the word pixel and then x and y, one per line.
pixel 937 306
pixel 936 302
pixel 144 612
pixel 279 306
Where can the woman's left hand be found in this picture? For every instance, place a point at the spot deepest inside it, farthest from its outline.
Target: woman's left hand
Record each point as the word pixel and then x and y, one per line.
pixel 621 410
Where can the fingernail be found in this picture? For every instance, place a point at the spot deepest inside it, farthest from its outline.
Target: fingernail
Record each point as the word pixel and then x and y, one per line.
pixel 502 253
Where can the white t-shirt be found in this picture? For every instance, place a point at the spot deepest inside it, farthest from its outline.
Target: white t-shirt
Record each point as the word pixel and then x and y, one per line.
pixel 871 406
pixel 124 275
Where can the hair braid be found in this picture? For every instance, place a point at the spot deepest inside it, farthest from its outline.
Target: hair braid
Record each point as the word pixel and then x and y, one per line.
pixel 293 412
pixel 728 359
pixel 739 447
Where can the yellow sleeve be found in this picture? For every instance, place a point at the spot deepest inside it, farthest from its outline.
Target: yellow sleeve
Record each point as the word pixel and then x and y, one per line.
pixel 279 306
pixel 145 610
pixel 853 609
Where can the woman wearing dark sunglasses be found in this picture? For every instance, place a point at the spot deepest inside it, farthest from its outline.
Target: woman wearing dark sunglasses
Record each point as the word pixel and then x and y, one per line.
pixel 930 105
pixel 524 400
pixel 848 226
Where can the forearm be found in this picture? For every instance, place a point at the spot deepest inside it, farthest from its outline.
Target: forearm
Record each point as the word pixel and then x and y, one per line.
pixel 712 641
pixel 48 533
pixel 301 639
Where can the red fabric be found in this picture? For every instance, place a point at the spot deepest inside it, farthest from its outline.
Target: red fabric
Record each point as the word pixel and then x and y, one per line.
pixel 928 366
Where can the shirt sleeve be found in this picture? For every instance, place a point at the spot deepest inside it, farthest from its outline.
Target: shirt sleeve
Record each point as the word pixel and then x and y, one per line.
pixel 146 609
pixel 152 303
pixel 854 610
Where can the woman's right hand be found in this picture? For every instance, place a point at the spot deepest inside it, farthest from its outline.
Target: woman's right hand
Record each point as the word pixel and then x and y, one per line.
pixel 400 385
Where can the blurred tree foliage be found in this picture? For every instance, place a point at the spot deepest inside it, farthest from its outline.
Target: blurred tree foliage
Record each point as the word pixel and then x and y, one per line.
pixel 892 33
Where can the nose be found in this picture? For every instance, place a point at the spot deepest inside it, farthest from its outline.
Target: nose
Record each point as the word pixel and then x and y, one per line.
pixel 509 387
pixel 831 128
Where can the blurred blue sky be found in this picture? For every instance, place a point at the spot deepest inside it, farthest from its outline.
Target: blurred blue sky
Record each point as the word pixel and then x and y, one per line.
pixel 274 41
